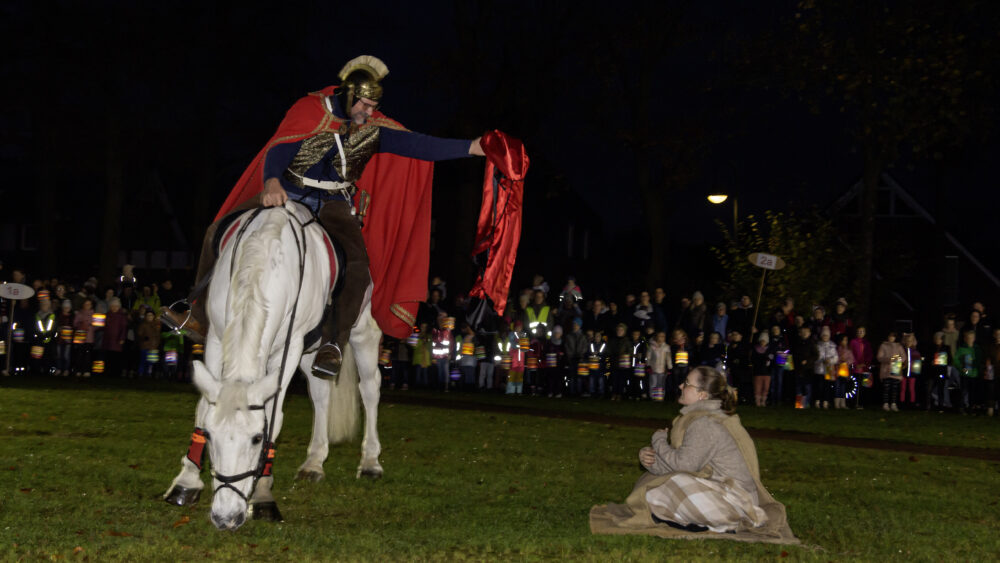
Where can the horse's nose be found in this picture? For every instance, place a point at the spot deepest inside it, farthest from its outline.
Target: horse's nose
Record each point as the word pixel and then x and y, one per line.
pixel 229 521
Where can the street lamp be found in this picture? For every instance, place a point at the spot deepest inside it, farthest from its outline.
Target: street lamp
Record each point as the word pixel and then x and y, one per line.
pixel 716 199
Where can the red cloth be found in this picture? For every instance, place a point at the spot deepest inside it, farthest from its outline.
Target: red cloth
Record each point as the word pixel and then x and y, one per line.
pixel 499 229
pixel 398 222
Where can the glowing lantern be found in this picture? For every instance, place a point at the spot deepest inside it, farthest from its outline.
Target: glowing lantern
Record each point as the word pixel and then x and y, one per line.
pixel 79 337
pixel 455 374
pixel 800 402
pixel 523 343
pixel 449 323
pixel 18 335
pixel 916 366
pixel 867 381
pixel 896 365
pixel 625 361
pixel 531 362
pixel 3 347
pixel 681 358
pixel 152 356
pixel 411 340
pixel 198 349
pixel 656 393
pixel 639 370
pixel 66 333
pixel 37 351
pixel 480 352
pixel 595 361
pixel 551 360
pixel 97 366
pixel 384 356
pixel 468 348
pixel 842 370
pixel 789 365
pixel 941 359
pixel 170 357
pixel 829 374
pixel 583 369
pixel 98 319
pixel 505 360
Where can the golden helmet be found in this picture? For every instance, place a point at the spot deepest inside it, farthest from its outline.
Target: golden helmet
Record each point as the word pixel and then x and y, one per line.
pixel 360 79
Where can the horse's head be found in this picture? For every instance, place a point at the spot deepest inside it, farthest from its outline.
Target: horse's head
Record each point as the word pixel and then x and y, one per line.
pixel 236 425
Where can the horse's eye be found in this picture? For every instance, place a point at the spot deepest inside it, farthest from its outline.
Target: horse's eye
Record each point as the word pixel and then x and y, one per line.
pixel 257 438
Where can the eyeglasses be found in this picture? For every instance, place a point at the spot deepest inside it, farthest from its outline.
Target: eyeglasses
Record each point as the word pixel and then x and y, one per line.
pixel 685 385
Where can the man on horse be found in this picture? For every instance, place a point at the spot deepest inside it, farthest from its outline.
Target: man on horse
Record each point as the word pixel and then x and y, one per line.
pixel 317 155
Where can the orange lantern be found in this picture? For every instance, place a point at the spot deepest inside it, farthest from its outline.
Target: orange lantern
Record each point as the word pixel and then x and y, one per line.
pixel 37 351
pixel 97 366
pixel 79 337
pixel 842 370
pixel 98 319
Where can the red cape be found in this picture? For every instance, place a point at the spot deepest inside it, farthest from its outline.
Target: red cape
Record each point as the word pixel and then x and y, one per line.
pixel 499 229
pixel 398 221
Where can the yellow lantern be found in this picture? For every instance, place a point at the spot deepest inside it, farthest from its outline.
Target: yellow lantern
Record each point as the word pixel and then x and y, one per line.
pixel 842 370
pixel 198 349
pixel 449 323
pixel 66 333
pixel 583 369
pixel 80 337
pixel 523 343
pixel 98 319
pixel 681 358
pixel 37 351
pixel 97 366
pixel 468 348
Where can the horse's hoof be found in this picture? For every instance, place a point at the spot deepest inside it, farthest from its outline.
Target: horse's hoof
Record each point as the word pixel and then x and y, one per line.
pixel 265 511
pixel 308 475
pixel 370 472
pixel 182 496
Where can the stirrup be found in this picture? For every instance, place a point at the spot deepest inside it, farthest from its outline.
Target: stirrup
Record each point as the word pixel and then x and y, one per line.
pixel 326 369
pixel 171 324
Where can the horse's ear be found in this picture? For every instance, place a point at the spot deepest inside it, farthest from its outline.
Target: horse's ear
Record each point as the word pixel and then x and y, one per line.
pixel 205 382
pixel 262 389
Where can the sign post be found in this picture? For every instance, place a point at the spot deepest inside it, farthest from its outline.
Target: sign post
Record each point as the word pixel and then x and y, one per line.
pixel 765 262
pixel 13 292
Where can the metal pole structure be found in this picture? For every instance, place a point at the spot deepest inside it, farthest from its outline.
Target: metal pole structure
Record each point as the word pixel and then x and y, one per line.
pixel 736 234
pixel 756 309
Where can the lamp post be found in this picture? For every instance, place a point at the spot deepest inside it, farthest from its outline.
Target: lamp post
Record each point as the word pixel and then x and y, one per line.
pixel 717 199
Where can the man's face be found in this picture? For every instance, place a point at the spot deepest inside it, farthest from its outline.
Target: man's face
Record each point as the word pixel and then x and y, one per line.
pixel 362 110
pixel 644 298
pixel 17 276
pixel 745 301
pixel 538 297
pixel 659 294
pixel 598 306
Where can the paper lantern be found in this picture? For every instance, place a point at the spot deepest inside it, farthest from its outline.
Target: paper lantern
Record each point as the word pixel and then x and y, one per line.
pixel 867 381
pixel 456 374
pixel 896 365
pixel 842 370
pixel 3 347
pixel 595 361
pixel 37 351
pixel 583 369
pixel 480 352
pixel 468 348
pixel 800 402
pixel 505 360
pixel 198 349
pixel 170 357
pixel 152 356
pixel 625 361
pixel 411 340
pixel 43 294
pixel 79 337
pixel 681 358
pixel 916 366
pixel 790 364
pixel 941 359
pixel 781 358
pixel 18 335
pixel 97 366
pixel 829 374
pixel 531 362
pixel 523 343
pixel 551 360
pixel 656 393
pixel 449 323
pixel 384 356
pixel 639 370
pixel 98 319
pixel 66 333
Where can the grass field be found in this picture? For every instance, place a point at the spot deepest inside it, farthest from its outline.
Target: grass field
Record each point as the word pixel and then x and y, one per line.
pixel 84 464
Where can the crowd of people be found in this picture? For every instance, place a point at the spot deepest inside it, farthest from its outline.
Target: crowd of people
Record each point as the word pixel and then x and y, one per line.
pixel 68 330
pixel 561 344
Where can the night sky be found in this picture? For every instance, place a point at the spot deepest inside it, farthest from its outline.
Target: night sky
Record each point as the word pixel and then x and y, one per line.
pixel 187 93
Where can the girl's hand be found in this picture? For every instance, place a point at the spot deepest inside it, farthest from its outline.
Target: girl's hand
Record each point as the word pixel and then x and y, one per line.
pixel 647 457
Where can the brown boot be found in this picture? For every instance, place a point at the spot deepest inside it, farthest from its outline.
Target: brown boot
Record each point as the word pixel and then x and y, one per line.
pixel 183 321
pixel 327 362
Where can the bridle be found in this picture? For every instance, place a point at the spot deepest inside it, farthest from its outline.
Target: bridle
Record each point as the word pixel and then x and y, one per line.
pixel 266 458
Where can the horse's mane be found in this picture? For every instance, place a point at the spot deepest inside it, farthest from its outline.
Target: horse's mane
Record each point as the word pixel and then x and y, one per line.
pixel 243 354
pixel 232 399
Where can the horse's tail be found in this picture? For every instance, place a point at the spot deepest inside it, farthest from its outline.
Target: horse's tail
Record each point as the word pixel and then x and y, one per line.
pixel 342 412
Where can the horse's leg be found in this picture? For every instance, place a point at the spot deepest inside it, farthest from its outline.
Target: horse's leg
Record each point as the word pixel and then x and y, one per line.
pixel 186 488
pixel 364 341
pixel 319 446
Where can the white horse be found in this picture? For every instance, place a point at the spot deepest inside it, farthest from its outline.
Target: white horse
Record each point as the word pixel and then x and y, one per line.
pixel 269 289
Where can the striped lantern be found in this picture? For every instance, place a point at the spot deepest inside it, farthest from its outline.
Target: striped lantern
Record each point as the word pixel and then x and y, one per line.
pixel 595 361
pixel 152 356
pixel 456 374
pixel 639 370
pixel 656 393
pixel 523 343
pixel 18 335
pixel 97 366
pixel 505 360
pixel 43 294
pixel 624 361
pixel 170 357
pixel 531 362
pixel 480 352
pixel 79 337
pixel 681 358
pixel 98 319
pixel 37 351
pixel 66 333
pixel 468 348
pixel 583 369
pixel 551 360
pixel 383 356
pixel 449 323
pixel 198 349
pixel 411 340
pixel 3 347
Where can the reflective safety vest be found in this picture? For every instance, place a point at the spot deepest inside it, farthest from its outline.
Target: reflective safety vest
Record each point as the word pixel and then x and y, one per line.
pixel 542 319
pixel 44 325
